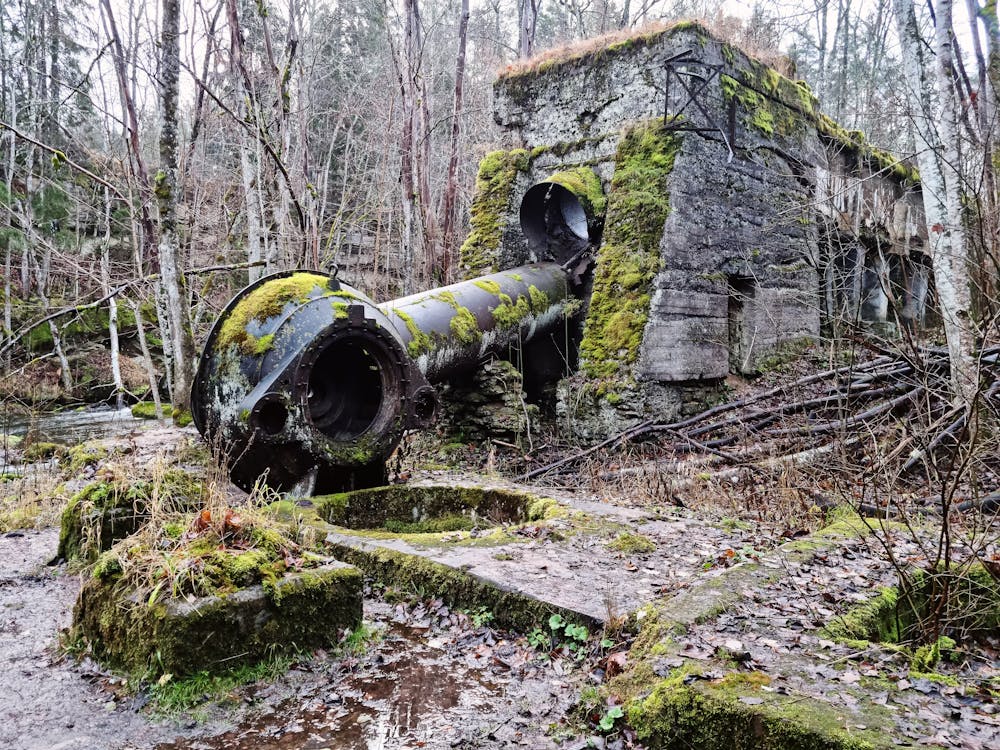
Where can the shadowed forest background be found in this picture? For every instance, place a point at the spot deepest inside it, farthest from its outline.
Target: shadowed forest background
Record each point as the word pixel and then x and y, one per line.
pixel 154 158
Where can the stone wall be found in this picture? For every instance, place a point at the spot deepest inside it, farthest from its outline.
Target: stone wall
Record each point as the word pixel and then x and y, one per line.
pixel 770 226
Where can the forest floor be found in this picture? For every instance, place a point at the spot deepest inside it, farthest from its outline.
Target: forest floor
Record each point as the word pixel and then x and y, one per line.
pixel 751 591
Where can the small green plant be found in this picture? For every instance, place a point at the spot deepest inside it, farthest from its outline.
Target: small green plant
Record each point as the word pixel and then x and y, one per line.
pixel 539 639
pixel 358 641
pixel 573 637
pixel 480 616
pixel 612 715
pixel 172 696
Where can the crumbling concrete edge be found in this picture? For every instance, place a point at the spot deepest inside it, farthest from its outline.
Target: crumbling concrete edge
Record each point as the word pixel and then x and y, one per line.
pixel 458 588
pixel 675 707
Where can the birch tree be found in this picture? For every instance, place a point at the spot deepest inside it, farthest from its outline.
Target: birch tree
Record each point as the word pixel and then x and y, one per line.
pixel 935 130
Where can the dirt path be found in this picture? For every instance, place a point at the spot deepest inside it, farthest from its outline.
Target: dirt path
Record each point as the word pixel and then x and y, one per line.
pixel 48 700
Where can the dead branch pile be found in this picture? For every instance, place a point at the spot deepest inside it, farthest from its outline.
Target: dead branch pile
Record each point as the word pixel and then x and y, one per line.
pixel 894 410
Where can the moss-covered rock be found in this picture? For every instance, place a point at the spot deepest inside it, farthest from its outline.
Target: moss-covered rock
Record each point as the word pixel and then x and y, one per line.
pixel 632 544
pixel 78 457
pixel 147 410
pixel 181 417
pixel 108 510
pixel 180 636
pixel 41 451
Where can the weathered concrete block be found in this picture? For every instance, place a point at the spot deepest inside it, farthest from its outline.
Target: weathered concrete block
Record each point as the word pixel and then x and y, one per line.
pixel 304 610
pixel 108 510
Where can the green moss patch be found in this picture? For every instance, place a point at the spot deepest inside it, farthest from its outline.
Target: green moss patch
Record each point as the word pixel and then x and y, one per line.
pixel 212 590
pixel 511 609
pixel 584 183
pixel 78 457
pixel 632 544
pixel 494 184
pixel 629 256
pixel 966 601
pixel 108 510
pixel 181 636
pixel 421 509
pixel 264 302
pixel 42 451
pixel 147 410
pixel 689 713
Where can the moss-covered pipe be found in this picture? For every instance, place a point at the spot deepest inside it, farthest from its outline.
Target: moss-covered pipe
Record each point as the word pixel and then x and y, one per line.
pixel 449 330
pixel 305 378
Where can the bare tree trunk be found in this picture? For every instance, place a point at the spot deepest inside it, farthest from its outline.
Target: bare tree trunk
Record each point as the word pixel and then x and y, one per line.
pixel 182 344
pixel 116 369
pixel 147 359
pixel 410 206
pixel 126 86
pixel 451 186
pixel 249 162
pixel 935 129
pixel 527 17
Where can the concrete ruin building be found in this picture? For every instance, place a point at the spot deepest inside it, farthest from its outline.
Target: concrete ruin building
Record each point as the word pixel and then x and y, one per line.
pixel 718 216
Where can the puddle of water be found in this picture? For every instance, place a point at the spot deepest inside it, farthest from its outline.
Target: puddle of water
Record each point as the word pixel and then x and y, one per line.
pixel 408 699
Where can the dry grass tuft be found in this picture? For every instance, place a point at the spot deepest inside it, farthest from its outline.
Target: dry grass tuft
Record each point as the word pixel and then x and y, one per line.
pixel 723 28
pixel 34 501
pixel 228 544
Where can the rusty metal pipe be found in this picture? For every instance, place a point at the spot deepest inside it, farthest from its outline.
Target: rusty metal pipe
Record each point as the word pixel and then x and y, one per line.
pixel 304 379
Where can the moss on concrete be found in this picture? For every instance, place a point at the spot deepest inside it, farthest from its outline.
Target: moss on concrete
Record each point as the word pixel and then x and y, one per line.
pixel 629 257
pixel 378 507
pixel 873 620
pixel 150 635
pixel 632 544
pixel 584 183
pixel 108 510
pixel 416 574
pixel 694 707
pixel 494 184
pixel 686 713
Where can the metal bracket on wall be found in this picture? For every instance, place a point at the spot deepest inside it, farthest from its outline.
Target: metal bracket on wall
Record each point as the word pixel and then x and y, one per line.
pixel 694 76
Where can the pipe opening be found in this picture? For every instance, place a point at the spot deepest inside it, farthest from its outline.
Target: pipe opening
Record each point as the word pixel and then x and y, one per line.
pixel 345 388
pixel 554 222
pixel 271 417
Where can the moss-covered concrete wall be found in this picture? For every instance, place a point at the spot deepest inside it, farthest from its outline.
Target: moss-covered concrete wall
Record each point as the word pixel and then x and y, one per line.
pixel 741 265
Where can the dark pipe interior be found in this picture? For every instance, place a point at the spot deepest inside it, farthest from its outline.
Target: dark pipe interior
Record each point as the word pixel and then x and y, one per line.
pixel 345 389
pixel 554 222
